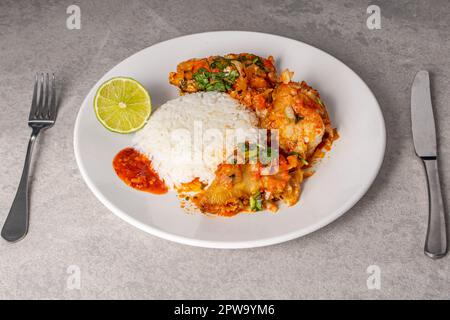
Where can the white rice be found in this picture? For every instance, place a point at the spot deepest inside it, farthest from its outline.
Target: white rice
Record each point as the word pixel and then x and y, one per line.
pixel 172 137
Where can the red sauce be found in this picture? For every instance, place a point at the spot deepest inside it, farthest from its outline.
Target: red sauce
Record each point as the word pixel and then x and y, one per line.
pixel 135 169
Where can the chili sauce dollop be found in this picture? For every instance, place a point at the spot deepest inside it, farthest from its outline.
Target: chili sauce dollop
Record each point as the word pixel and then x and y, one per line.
pixel 135 169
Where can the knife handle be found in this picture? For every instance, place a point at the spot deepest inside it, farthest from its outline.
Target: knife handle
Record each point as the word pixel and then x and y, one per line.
pixel 436 241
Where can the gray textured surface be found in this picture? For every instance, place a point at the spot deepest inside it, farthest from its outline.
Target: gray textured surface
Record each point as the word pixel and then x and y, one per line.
pixel 70 227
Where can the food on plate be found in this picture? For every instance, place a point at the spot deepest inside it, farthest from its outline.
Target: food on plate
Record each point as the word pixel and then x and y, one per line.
pixel 215 146
pixel 183 137
pixel 122 105
pixel 300 117
pixel 245 77
pixel 245 187
pixel 135 169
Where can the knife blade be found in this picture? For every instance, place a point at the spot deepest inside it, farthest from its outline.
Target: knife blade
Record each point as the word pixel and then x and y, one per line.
pixel 424 136
pixel 423 127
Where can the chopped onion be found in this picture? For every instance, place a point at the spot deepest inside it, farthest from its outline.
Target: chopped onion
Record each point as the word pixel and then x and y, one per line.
pixel 289 112
pixel 238 66
pixel 286 76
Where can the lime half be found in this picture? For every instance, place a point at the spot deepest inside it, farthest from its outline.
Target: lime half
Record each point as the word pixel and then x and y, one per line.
pixel 122 105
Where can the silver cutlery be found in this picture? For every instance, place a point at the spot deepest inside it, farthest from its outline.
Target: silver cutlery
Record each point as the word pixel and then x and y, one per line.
pixel 424 135
pixel 42 116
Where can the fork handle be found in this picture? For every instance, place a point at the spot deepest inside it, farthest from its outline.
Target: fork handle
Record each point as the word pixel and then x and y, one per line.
pixel 16 224
pixel 436 241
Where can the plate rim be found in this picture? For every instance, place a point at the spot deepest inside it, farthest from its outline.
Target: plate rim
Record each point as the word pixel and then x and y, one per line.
pixel 230 244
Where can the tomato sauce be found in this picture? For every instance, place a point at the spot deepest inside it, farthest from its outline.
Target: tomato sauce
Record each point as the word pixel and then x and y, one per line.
pixel 135 169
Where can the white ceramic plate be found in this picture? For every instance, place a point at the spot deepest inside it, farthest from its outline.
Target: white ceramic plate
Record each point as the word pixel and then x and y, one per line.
pixel 341 179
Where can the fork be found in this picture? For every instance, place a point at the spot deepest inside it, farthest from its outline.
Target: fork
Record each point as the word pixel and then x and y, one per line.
pixel 42 116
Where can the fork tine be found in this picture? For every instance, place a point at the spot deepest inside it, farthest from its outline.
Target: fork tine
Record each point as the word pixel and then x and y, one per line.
pixel 52 106
pixel 50 97
pixel 34 101
pixel 45 103
pixel 41 96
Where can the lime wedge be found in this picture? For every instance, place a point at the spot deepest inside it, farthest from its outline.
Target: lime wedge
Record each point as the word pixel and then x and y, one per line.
pixel 122 105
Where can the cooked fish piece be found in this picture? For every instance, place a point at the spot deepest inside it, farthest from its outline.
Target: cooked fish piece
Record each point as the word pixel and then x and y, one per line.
pixel 299 116
pixel 244 187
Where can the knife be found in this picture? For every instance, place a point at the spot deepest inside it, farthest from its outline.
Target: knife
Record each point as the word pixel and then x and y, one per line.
pixel 424 136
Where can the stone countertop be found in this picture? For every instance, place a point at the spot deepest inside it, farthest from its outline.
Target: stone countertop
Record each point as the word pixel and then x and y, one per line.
pixel 72 233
